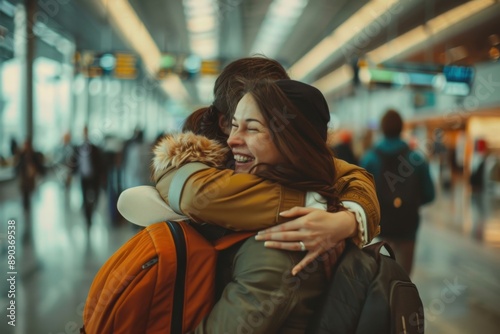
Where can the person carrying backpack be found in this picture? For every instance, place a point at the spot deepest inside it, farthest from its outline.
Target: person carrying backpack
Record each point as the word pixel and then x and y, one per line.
pixel 403 182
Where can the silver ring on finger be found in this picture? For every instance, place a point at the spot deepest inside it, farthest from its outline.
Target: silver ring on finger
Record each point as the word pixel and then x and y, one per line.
pixel 302 246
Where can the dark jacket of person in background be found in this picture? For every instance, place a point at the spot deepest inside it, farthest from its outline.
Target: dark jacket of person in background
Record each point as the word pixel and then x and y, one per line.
pixel 28 167
pixel 92 170
pixel 371 162
pixel 343 149
pixel 404 183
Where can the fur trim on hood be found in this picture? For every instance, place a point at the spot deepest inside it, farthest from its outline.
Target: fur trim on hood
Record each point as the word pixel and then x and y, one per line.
pixel 179 149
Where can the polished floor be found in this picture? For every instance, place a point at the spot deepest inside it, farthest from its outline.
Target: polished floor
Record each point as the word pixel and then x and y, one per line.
pixel 457 267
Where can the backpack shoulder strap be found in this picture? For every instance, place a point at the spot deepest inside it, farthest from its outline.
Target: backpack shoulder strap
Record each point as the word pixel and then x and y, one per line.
pixel 374 250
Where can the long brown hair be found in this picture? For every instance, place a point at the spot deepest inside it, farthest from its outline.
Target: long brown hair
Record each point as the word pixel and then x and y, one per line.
pixel 228 90
pixel 309 162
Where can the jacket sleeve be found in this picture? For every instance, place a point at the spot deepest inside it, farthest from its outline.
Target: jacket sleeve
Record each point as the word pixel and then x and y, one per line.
pixel 185 173
pixel 220 196
pixel 224 198
pixel 355 184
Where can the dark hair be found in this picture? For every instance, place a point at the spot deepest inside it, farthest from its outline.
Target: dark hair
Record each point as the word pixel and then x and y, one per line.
pixel 205 122
pixel 228 87
pixel 391 124
pixel 309 162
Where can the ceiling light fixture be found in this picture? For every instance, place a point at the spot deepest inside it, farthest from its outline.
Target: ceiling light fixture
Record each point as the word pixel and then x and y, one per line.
pixel 203 26
pixel 419 37
pixel 202 19
pixel 335 80
pixel 333 47
pixel 407 42
pixel 277 25
pixel 136 34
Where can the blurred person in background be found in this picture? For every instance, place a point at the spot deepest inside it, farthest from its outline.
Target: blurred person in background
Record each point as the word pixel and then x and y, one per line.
pixel 403 183
pixel 343 149
pixel 91 169
pixel 14 148
pixel 29 166
pixel 135 152
pixel 65 160
pixel 477 163
pixel 112 149
pixel 366 142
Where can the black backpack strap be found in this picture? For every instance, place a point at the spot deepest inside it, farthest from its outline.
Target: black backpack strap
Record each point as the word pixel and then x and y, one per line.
pixel 374 250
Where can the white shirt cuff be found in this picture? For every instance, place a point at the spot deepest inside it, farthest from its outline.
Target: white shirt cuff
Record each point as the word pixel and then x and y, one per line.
pixel 360 214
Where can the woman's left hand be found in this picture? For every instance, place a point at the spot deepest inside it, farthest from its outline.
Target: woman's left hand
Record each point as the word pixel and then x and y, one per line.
pixel 318 230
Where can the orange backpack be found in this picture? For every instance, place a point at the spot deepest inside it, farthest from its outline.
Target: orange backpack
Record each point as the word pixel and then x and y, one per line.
pixel 161 281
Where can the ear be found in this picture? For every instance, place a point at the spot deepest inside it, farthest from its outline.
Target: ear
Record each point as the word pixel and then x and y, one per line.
pixel 224 124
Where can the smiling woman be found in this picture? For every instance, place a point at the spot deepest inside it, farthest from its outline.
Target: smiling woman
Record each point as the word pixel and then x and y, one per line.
pixel 279 132
pixel 251 138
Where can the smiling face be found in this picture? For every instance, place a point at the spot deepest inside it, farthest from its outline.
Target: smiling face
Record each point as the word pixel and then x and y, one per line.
pixel 251 139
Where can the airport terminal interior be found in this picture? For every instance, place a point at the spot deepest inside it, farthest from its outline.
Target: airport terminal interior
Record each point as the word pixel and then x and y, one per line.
pixel 131 71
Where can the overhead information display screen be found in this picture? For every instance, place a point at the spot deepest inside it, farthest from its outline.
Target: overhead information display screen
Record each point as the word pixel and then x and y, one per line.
pixel 450 79
pixel 120 65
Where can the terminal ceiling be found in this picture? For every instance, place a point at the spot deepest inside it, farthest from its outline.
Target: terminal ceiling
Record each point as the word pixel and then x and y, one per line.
pixel 88 23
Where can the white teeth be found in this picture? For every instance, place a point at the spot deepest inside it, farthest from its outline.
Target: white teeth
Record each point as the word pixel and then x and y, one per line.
pixel 242 158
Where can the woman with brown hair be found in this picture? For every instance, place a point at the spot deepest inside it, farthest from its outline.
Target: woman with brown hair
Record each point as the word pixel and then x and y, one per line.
pixel 320 231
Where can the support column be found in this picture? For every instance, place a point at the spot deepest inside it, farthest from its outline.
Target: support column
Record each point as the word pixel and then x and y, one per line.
pixel 31 7
pixel 2 105
pixel 89 102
